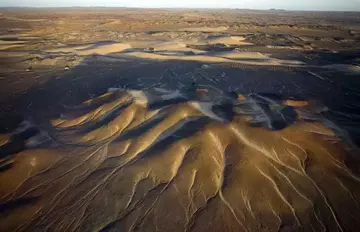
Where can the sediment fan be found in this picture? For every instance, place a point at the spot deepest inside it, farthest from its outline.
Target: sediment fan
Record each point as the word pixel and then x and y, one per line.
pixel 195 159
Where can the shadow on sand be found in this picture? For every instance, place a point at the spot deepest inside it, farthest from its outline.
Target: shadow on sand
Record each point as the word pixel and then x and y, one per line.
pixel 265 89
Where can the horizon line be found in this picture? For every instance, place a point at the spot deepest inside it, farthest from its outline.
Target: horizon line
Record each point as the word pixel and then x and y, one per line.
pixel 188 8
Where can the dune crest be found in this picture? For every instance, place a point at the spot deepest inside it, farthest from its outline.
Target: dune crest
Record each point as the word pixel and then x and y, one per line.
pixel 101 49
pixel 191 120
pixel 249 58
pixel 125 164
pixel 205 29
pixel 229 40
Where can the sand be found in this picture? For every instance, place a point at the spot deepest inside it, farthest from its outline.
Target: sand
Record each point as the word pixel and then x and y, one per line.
pixel 186 166
pixel 90 49
pixel 179 120
pixel 352 69
pixel 244 58
pixel 205 29
pixel 229 40
pixel 11 44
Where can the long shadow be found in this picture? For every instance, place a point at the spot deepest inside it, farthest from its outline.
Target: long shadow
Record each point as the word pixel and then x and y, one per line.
pixel 10 39
pixel 76 111
pixel 17 142
pixel 93 77
pixel 98 44
pixel 105 119
pixel 188 127
pixel 16 204
pixel 141 129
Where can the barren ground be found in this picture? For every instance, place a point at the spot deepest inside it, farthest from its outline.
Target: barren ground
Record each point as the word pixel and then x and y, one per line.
pixel 179 120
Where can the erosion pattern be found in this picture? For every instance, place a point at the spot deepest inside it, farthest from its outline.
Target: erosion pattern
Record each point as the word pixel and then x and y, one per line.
pixel 190 160
pixel 179 120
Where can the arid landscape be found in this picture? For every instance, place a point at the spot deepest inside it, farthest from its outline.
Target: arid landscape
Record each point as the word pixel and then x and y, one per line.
pixel 124 119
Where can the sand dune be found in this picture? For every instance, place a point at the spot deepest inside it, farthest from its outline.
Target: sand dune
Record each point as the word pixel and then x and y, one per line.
pixel 135 161
pixel 101 49
pixel 170 46
pixel 179 120
pixel 11 44
pixel 174 47
pixel 251 58
pixel 8 46
pixel 205 29
pixel 230 40
pixel 182 50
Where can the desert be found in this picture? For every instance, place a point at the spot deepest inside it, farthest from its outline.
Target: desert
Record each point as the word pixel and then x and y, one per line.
pixel 129 119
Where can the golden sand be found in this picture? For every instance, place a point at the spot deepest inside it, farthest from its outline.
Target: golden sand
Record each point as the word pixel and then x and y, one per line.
pixel 221 177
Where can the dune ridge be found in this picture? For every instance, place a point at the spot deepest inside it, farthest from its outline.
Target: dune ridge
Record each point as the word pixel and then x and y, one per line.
pixel 124 165
pixel 223 120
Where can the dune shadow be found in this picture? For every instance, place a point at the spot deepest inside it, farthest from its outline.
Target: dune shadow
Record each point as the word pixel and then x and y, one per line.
pixel 17 142
pixel 214 47
pixel 181 130
pixel 141 129
pixel 93 77
pixel 10 39
pixel 16 204
pixel 105 119
pixel 97 44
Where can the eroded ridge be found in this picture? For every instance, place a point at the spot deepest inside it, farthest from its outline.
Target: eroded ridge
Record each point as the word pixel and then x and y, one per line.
pixel 187 160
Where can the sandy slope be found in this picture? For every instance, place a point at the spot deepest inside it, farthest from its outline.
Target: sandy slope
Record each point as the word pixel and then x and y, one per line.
pixel 11 44
pixel 179 168
pixel 92 49
pixel 229 40
pixel 205 29
pixel 235 57
pixel 214 120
